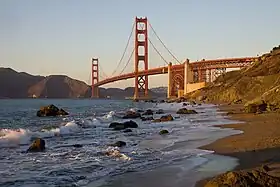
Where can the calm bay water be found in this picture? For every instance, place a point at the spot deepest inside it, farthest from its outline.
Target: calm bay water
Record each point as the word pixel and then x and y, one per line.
pixel 174 158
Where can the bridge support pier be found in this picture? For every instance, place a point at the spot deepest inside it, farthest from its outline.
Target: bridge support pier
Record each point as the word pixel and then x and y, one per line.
pixel 186 76
pixel 94 78
pixel 170 81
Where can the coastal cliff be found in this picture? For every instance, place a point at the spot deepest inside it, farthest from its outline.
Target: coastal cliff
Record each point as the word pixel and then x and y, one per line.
pixel 261 80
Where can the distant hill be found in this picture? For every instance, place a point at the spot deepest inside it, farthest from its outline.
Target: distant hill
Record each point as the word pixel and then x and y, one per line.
pixel 15 84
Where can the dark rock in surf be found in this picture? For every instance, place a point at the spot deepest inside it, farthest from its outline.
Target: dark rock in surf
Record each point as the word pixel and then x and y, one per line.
pixel 159 111
pixel 122 126
pixel 130 124
pixel 186 111
pixel 147 118
pixel 148 112
pixel 164 118
pixel 164 131
pixel 37 145
pixel 118 144
pixel 77 145
pixel 131 115
pixel 51 110
pixel 127 130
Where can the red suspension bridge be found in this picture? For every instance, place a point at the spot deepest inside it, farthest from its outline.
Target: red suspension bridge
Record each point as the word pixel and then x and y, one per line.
pixel 183 77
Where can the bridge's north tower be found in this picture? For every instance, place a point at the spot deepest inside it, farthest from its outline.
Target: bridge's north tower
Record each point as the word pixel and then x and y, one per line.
pixel 95 78
pixel 141 57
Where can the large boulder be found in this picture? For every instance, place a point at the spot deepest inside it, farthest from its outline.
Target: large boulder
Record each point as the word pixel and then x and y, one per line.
pixel 131 115
pixel 51 110
pixel 186 111
pixel 122 126
pixel 37 145
pixel 244 178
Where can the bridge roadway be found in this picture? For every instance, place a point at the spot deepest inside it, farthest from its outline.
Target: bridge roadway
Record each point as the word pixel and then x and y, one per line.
pixel 199 65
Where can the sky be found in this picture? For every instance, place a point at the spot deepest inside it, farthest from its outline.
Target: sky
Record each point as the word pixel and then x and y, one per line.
pixel 60 37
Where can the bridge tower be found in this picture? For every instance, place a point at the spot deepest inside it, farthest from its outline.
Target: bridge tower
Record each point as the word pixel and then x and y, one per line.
pixel 141 57
pixel 94 78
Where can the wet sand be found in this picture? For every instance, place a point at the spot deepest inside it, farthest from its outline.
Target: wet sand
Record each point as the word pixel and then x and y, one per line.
pixel 258 145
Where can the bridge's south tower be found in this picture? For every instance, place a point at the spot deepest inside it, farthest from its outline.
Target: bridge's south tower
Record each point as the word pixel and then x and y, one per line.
pixel 141 57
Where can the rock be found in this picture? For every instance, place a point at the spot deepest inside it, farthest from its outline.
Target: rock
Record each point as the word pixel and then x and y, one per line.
pixel 117 126
pixel 136 100
pixel 164 118
pixel 51 110
pixel 78 145
pixel 237 101
pixel 255 106
pixel 127 130
pixel 244 178
pixel 163 132
pixel 186 111
pixel 185 104
pixel 192 103
pixel 130 124
pixel 37 145
pixel 122 126
pixel 148 112
pixel 162 101
pixel 140 111
pixel 118 144
pixel 147 118
pixel 159 111
pixel 131 115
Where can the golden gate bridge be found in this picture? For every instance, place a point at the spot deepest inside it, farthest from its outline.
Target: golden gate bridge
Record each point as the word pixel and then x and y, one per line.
pixel 183 77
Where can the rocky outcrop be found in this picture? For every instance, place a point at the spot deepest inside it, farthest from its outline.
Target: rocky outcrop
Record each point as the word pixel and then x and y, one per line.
pixel 147 118
pixel 51 110
pixel 244 178
pixel 186 111
pixel 122 126
pixel 37 145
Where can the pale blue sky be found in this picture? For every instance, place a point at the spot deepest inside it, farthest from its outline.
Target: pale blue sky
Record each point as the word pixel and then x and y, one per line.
pixel 61 36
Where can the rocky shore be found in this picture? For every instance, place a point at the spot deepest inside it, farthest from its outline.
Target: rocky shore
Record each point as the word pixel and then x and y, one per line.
pixel 257 149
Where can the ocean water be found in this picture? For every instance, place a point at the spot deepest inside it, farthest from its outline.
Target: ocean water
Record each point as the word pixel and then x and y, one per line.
pixel 149 159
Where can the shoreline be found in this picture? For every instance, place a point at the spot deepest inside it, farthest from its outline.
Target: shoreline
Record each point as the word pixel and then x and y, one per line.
pixel 258 145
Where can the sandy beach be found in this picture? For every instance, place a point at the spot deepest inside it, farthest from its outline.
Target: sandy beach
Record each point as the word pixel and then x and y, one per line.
pixel 258 145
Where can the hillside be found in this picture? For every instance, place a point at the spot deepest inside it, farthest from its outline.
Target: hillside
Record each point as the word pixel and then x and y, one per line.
pixel 58 86
pixel 261 80
pixel 15 84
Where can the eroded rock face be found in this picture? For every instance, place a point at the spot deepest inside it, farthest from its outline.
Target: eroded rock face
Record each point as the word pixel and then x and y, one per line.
pixel 244 178
pixel 186 111
pixel 51 110
pixel 37 145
